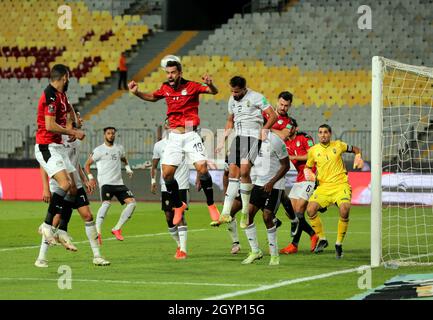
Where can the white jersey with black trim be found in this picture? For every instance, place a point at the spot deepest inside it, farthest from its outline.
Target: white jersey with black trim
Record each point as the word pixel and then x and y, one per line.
pixel 108 164
pixel 268 163
pixel 248 118
pixel 182 172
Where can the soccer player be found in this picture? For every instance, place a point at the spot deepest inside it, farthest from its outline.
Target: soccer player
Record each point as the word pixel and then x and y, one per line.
pixel 271 165
pixel 245 108
pixel 182 98
pixel 333 185
pixel 108 158
pixel 178 232
pixel 79 202
pixel 297 145
pixel 56 116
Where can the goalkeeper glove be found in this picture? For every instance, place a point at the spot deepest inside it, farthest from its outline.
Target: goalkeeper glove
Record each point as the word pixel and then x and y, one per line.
pixel 358 163
pixel 309 175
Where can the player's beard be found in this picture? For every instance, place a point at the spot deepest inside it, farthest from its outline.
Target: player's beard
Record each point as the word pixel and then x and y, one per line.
pixel 109 142
pixel 65 87
pixel 174 82
pixel 282 113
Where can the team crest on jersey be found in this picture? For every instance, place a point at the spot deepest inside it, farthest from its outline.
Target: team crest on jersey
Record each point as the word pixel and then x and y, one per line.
pixel 184 92
pixel 51 108
pixel 280 121
pixel 298 144
pixel 334 150
pixel 167 202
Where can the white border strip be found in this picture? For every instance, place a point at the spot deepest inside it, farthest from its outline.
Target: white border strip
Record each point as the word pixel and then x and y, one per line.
pixel 137 282
pixel 286 283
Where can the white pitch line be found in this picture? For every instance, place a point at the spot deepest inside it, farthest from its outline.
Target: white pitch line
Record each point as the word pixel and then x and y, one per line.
pixel 285 283
pixel 137 282
pixel 108 239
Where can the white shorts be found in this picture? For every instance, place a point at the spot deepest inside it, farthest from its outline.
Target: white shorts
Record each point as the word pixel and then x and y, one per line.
pixel 53 158
pixel 302 190
pixel 180 145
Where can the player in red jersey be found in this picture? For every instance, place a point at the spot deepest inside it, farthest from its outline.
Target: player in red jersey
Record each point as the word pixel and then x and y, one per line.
pixel 297 144
pixel 182 98
pixel 56 116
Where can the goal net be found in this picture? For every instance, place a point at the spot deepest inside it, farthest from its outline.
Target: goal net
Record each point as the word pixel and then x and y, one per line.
pixel 402 163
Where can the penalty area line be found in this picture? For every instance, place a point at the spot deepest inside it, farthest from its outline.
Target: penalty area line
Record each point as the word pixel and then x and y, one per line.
pixel 285 283
pixel 164 283
pixel 107 239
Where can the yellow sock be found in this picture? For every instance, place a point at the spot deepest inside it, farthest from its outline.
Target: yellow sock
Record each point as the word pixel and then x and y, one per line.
pixel 342 229
pixel 316 224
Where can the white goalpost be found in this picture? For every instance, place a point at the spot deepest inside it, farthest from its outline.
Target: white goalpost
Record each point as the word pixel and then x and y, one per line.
pixel 401 163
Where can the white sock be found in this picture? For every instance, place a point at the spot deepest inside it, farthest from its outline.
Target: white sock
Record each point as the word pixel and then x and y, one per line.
pixel 43 249
pixel 126 214
pixel 231 194
pixel 232 228
pixel 251 233
pixel 92 235
pixel 245 195
pixel 101 215
pixel 272 240
pixel 174 234
pixel 182 230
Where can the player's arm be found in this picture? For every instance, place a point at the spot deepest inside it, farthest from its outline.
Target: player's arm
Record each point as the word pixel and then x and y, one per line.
pixel 84 179
pixel 284 167
pixel 227 130
pixel 46 193
pixel 282 134
pixel 358 163
pixel 299 158
pixel 92 181
pixel 210 89
pixel 52 126
pixel 133 88
pixel 308 172
pixel 127 166
pixel 271 119
pixel 153 175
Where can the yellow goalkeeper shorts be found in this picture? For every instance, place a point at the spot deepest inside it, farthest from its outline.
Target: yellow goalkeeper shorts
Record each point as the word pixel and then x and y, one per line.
pixel 325 196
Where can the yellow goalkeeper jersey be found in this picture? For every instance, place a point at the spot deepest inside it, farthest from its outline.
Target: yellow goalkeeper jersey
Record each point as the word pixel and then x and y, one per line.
pixel 329 163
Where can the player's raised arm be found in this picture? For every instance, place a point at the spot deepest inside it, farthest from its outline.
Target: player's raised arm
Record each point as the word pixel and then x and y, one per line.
pixel 211 89
pixel 358 163
pixel 271 119
pixel 133 88
pixel 308 173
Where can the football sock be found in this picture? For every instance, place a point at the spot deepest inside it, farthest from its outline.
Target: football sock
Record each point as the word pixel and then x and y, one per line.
pixel 101 214
pixel 272 240
pixel 287 204
pixel 316 224
pixel 183 231
pixel 92 235
pixel 174 234
pixel 231 193
pixel 126 214
pixel 245 190
pixel 207 186
pixel 43 249
pixel 304 225
pixel 55 206
pixel 251 233
pixel 232 228
pixel 343 224
pixel 65 215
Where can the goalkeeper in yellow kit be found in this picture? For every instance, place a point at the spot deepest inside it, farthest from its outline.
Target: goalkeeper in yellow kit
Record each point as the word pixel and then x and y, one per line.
pixel 332 184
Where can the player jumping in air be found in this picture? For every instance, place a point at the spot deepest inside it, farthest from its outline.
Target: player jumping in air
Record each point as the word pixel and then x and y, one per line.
pixel 182 98
pixel 333 185
pixel 178 232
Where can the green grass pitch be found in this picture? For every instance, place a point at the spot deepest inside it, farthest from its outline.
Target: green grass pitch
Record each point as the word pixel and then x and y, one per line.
pixel 143 266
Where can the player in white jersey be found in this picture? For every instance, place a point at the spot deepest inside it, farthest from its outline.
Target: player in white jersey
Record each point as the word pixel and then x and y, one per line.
pixel 245 108
pixel 271 165
pixel 179 231
pixel 79 202
pixel 108 158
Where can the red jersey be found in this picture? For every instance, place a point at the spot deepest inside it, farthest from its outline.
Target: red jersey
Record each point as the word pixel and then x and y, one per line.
pixel 182 103
pixel 299 147
pixel 51 103
pixel 281 123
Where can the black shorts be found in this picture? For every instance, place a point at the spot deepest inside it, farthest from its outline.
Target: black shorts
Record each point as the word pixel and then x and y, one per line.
pixel 121 193
pixel 263 200
pixel 244 148
pixel 81 199
pixel 166 204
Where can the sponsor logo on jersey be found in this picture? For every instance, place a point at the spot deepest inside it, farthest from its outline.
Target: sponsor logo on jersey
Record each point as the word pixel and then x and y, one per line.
pixel 298 144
